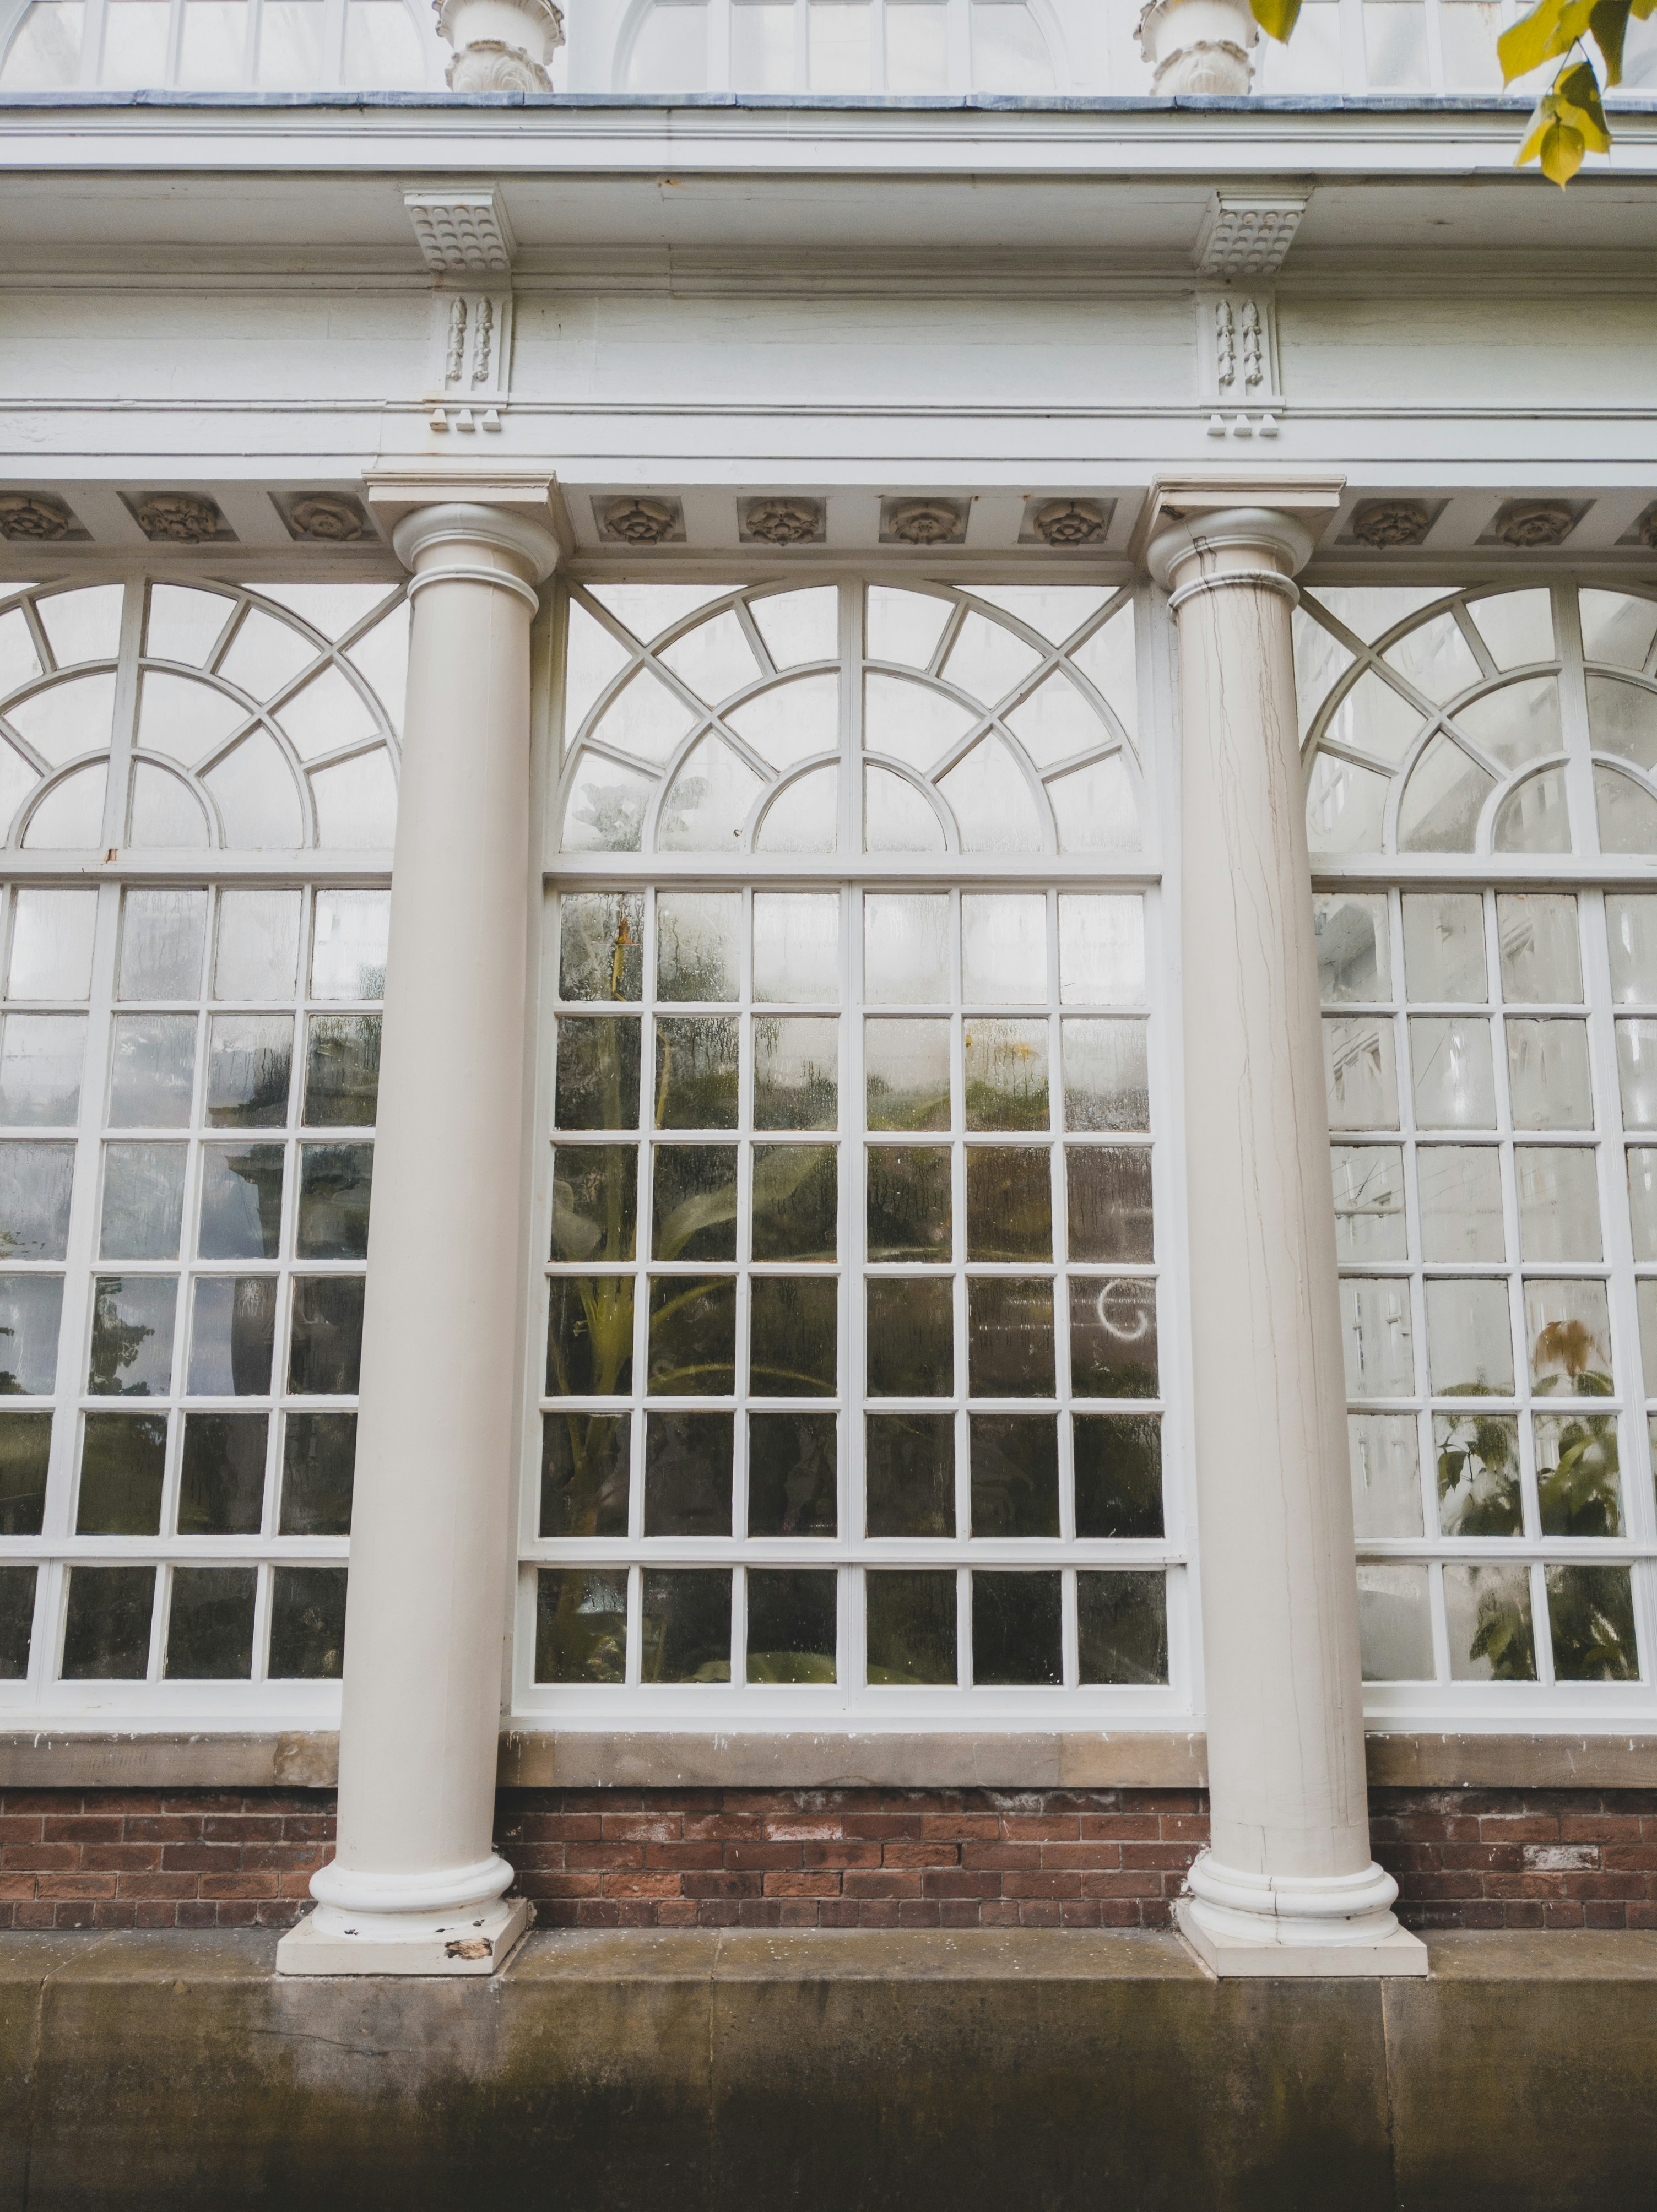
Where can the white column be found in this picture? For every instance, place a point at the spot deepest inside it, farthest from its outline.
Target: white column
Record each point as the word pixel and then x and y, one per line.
pixel 1287 1885
pixel 417 1887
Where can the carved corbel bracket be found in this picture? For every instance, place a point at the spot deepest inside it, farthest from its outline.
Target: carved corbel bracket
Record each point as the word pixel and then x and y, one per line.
pixel 468 246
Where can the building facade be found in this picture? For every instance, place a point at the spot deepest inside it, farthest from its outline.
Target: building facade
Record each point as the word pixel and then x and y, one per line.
pixel 932 741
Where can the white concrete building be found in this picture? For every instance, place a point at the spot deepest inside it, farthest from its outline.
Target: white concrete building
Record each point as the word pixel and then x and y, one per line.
pixel 857 629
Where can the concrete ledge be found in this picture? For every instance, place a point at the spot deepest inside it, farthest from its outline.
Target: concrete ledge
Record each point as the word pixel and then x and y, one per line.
pixel 908 2072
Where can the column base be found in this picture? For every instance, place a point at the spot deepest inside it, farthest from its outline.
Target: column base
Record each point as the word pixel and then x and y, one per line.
pixel 1238 1957
pixel 476 1939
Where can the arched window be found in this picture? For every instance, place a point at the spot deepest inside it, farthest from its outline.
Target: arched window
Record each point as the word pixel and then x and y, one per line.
pixel 285 46
pixel 839 47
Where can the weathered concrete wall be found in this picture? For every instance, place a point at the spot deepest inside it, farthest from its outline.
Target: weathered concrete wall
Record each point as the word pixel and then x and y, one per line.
pixel 1017 2069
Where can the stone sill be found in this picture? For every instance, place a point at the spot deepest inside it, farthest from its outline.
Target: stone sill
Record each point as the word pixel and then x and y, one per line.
pixel 537 1759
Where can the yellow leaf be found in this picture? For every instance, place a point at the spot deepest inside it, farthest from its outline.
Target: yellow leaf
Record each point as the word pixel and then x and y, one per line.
pixel 1576 91
pixel 1551 27
pixel 1562 153
pixel 1609 23
pixel 1541 123
pixel 1276 18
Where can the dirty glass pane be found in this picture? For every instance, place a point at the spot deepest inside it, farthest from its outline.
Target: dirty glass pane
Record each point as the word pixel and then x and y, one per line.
pixel 209 1628
pixel 793 1335
pixel 1004 950
pixel 123 1457
pixel 1590 1615
pixel 694 1202
pixel 52 945
pixel 16 1622
pixel 1361 1072
pixel 1569 1330
pixel 232 1336
pixel 162 934
pixel 1444 948
pixel 906 949
pixel 1118 1474
pixel 1113 1338
pixel 1488 1614
pixel 698 944
pixel 1009 1329
pixel 796 948
pixel 1369 1216
pixel 1355 961
pixel 342 1070
pixel 1015 1629
pixel 153 1065
pixel 601 945
pixel 907 1066
pixel 1631 928
pixel 594 1201
pixel 687 1624
pixel 1107 1084
pixel 132 1335
pixel 589 1336
pixel 307 1623
pixel 796 1071
pixel 1101 949
pixel 581 1625
pixel 910 1474
pixel 791 1474
pixel 335 1184
pixel 1642 1205
pixel 696 1071
pixel 40 1061
pixel 1548 1077
pixel 1558 1202
pixel 31 1309
pixel 142 1201
pixel 1469 1339
pixel 258 950
pixel 1386 1474
pixel 911 1332
pixel 597 1073
pixel 325 1350
pixel 692 1336
pixel 1541 961
pixel 1009 1202
pixel 250 1060
pixel 107 1623
pixel 1110 1202
pixel 241 1203
pixel 222 1484
pixel 791 1624
pixel 1376 1329
pixel 1395 1623
pixel 1455 1084
pixel 1578 1483
pixel 796 1202
pixel 1460 1188
pixel 1477 1465
pixel 25 1457
pixel 909 1202
pixel 910 1626
pixel 319 1463
pixel 1637 1069
pixel 1014 1471
pixel 1122 1627
pixel 348 949
pixel 1006 1073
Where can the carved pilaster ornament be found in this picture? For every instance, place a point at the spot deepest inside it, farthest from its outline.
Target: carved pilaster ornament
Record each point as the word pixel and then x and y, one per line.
pixel 784 521
pixel 635 521
pixel 1068 523
pixel 326 520
pixel 1386 523
pixel 928 522
pixel 34 517
pixel 1532 525
pixel 178 518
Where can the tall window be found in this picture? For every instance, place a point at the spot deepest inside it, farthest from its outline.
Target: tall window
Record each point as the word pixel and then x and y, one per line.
pixel 280 46
pixel 1490 1046
pixel 189 1059
pixel 857 1341
pixel 839 47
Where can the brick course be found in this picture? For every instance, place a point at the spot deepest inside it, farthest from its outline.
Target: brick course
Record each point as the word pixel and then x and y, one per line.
pixel 821 1858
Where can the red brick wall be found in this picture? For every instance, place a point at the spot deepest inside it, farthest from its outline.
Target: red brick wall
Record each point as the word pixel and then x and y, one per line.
pixel 821 1858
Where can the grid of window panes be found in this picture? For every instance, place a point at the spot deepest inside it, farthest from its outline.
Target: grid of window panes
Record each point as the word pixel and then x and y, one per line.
pixel 840 46
pixel 188 1081
pixel 852 1371
pixel 287 45
pixel 1491 1058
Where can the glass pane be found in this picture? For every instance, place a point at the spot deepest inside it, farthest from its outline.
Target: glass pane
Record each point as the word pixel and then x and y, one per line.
pixel 693 1337
pixel 601 945
pixel 589 1336
pixel 792 1476
pixel 1107 1076
pixel 796 1071
pixel 1101 950
pixel 1004 949
pixel 1380 1360
pixel 1623 717
pixel 31 1307
pixel 249 1069
pixel 162 936
pixel 291 43
pixel 1015 1469
pixel 697 949
pixel 1460 1188
pixel 1006 1073
pixel 241 1202
pixel 1636 1067
pixel 791 1624
pixel 1469 1339
pixel 382 48
pixel 1118 1474
pixel 16 1615
pixel 907 1066
pixel 342 1070
pixel 906 949
pixel 1642 1207
pixel 52 945
pixel 598 1074
pixel 258 951
pixel 594 1201
pixel 142 1201
pixel 25 1456
pixel 1645 1295
pixel 1369 1220
pixel 909 1474
pixel 123 1460
pixel 1487 1615
pixel 687 1612
pixel 794 1331
pixel 1444 947
pixel 1519 723
pixel 213 51
pixel 1010 53
pixel 335 1185
pixel 107 1623
pixel 1590 1615
pixel 581 1625
pixel 1577 1481
pixel 1558 1202
pixel 348 949
pixel 222 1484
pixel 1535 818
pixel 1548 1077
pixel 1541 963
pixel 40 1061
pixel 796 1202
pixel 1631 928
pixel 45 55
pixel 1009 1202
pixel 696 1071
pixel 586 1467
pixel 839 32
pixel 1386 1474
pixel 910 1618
pixel 1113 1338
pixel 132 1336
pixel 153 1070
pixel 325 1351
pixel 1442 801
pixel 307 1623
pixel 1568 1329
pixel 1015 1629
pixel 1478 1472
pixel 1627 812
pixel 1109 1203
pixel 319 1460
pixel 1435 657
pixel 687 1474
pixel 1395 1623
pixel 911 1332
pixel 1454 1079
pixel 36 1181
pixel 1122 1627
pixel 1361 1072
pixel 694 1202
pixel 210 1634
pixel 1354 962
pixel 232 1336
pixel 796 947
pixel 1616 628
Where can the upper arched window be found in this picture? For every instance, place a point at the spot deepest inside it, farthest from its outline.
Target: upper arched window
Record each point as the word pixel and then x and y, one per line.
pixel 837 46
pixel 277 45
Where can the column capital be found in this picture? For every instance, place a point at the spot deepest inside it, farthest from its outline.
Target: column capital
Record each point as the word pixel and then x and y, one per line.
pixel 1259 523
pixel 512 517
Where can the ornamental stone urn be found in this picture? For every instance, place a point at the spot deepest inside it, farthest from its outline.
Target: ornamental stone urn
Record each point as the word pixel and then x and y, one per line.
pixel 1200 47
pixel 499 46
